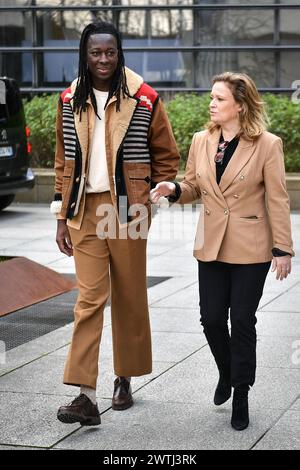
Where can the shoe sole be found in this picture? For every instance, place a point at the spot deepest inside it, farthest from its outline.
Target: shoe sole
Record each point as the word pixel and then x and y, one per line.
pixel 240 428
pixel 68 418
pixel 218 403
pixel 122 407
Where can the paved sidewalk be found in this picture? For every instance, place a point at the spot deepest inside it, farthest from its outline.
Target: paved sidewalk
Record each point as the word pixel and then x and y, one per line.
pixel 173 405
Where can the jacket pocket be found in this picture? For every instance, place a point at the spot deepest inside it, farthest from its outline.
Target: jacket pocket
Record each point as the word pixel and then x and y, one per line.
pixel 252 217
pixel 138 179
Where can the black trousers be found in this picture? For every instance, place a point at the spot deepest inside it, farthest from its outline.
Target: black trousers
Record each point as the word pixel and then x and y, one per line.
pixel 238 288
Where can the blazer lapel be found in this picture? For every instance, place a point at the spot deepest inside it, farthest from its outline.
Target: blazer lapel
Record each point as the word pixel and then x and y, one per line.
pixel 211 150
pixel 238 160
pixel 117 123
pixel 212 146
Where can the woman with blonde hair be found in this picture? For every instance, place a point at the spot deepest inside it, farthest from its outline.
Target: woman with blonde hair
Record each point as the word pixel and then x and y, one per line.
pixel 237 170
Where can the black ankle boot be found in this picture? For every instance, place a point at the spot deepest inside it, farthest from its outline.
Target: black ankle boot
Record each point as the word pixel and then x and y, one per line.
pixel 240 410
pixel 223 390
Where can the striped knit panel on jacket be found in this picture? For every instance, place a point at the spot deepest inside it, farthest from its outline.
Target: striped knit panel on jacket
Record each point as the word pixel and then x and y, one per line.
pixel 135 146
pixel 68 126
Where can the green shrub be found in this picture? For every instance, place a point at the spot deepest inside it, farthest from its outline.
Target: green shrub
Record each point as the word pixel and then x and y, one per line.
pixel 285 122
pixel 40 117
pixel 188 114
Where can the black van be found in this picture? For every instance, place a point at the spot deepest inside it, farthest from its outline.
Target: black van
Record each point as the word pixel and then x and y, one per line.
pixel 15 174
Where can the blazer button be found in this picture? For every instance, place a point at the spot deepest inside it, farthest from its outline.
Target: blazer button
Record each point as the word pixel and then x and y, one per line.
pixel 242 177
pixel 73 204
pixel 207 212
pixel 226 211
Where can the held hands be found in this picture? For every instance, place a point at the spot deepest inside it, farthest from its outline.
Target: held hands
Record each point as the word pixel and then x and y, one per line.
pixel 164 188
pixel 63 238
pixel 282 265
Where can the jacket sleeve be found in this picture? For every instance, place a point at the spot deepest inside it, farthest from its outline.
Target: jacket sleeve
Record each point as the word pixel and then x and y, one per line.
pixel 277 198
pixel 164 153
pixel 189 190
pixel 59 163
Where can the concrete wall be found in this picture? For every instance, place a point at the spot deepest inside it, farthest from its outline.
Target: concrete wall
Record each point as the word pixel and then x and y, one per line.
pixel 44 188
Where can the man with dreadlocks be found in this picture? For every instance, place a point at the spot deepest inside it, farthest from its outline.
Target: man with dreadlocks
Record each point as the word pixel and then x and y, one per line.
pixel 114 142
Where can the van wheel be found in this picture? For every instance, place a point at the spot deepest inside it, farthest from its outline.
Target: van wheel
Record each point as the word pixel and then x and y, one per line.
pixel 6 201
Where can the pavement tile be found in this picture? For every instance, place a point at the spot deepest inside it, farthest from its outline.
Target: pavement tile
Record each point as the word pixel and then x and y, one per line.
pixel 170 286
pixel 166 346
pixel 285 434
pixel 30 419
pixel 169 426
pixel 185 298
pixel 194 381
pixel 296 404
pixel 45 376
pixel 175 320
pixel 35 349
pixel 277 351
pixel 173 405
pixel 285 303
pixel 270 323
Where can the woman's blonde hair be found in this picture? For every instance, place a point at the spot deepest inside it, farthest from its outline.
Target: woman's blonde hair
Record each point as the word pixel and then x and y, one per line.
pixel 253 117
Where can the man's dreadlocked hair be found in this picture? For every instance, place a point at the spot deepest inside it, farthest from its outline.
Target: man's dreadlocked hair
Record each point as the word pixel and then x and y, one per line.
pixel 84 87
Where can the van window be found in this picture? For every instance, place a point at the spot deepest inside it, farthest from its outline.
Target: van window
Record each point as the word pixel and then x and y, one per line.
pixel 11 106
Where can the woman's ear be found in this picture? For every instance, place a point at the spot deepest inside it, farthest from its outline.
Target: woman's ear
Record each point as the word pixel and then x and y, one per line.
pixel 242 110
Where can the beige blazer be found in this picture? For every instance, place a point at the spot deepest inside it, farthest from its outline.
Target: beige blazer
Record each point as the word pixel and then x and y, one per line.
pixel 248 214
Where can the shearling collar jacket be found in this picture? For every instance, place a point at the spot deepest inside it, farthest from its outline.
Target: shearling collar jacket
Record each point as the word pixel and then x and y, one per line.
pixel 140 149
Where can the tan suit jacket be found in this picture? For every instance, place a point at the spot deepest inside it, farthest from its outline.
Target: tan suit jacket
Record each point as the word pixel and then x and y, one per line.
pixel 248 214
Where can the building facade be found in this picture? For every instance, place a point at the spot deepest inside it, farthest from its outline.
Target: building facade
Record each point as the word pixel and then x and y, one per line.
pixel 176 45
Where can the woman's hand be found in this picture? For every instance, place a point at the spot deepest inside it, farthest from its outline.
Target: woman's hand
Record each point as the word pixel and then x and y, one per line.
pixel 164 188
pixel 282 265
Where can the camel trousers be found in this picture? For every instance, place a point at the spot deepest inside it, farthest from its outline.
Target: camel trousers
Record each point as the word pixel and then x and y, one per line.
pixel 112 267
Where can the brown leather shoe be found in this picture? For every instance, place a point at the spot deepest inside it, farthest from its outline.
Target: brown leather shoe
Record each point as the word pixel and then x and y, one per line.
pixel 80 410
pixel 122 398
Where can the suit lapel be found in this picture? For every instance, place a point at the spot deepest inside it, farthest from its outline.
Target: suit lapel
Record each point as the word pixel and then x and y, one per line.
pixel 117 123
pixel 211 150
pixel 238 160
pixel 212 146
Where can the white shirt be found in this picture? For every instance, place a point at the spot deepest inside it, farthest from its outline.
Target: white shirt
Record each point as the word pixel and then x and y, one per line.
pixel 97 178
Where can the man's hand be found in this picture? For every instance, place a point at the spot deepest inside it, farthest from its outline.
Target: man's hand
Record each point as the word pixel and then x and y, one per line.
pixel 63 238
pixel 282 265
pixel 164 188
